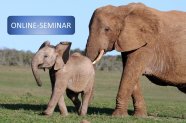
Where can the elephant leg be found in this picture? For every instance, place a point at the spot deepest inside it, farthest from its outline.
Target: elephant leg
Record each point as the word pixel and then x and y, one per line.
pixel 138 101
pixel 132 71
pixel 49 111
pixel 52 79
pixel 74 98
pixel 62 106
pixel 59 89
pixel 91 89
pixel 91 96
pixel 85 102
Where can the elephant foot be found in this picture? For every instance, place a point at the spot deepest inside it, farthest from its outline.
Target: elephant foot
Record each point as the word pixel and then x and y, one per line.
pixel 47 113
pixel 140 114
pixel 82 112
pixel 64 114
pixel 119 113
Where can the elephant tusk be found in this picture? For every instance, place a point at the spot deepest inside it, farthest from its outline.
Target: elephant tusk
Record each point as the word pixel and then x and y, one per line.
pixel 99 57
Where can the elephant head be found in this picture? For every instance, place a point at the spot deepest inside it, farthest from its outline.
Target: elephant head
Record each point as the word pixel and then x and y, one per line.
pixel 122 28
pixel 49 56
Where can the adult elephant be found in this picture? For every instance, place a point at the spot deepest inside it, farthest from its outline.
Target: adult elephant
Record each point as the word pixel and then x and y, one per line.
pixel 151 42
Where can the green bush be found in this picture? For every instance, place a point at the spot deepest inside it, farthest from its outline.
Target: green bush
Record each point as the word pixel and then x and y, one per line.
pixel 13 57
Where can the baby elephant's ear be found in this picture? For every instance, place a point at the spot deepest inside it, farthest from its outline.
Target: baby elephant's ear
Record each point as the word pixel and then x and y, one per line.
pixel 63 49
pixel 59 63
pixel 46 43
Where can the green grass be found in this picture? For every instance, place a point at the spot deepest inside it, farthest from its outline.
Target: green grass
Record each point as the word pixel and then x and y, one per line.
pixel 21 100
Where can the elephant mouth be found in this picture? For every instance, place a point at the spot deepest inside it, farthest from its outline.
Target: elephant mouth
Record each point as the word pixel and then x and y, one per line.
pixel 101 53
pixel 41 66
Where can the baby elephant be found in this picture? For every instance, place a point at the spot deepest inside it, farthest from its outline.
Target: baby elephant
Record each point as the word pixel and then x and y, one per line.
pixel 73 74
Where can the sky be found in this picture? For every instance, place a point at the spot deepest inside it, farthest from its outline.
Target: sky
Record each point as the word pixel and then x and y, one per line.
pixel 81 9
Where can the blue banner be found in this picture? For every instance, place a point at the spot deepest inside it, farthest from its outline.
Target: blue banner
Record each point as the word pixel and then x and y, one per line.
pixel 41 25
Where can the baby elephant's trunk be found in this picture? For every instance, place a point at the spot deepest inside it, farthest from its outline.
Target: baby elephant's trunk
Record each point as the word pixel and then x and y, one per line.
pixel 34 66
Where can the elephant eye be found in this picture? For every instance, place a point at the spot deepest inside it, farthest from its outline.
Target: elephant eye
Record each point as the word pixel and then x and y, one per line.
pixel 107 29
pixel 45 56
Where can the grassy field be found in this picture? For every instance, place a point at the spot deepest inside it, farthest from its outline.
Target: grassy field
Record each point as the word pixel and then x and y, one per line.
pixel 21 100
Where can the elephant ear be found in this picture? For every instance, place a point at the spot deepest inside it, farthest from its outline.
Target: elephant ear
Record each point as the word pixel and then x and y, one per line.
pixel 139 26
pixel 46 43
pixel 63 51
pixel 66 53
pixel 59 63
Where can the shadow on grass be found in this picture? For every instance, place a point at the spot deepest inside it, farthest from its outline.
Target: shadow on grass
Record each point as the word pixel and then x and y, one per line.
pixel 151 115
pixel 71 109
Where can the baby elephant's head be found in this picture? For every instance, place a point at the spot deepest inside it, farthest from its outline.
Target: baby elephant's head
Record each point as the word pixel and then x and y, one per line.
pixel 49 56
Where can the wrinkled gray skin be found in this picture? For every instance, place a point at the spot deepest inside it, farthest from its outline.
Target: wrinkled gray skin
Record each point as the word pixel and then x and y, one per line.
pixel 66 73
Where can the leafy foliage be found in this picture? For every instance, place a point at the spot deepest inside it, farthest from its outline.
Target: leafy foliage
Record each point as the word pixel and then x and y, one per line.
pixel 13 57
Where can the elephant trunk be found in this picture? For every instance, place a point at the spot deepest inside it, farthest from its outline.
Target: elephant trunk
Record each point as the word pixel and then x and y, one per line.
pixel 90 51
pixel 35 63
pixel 93 52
